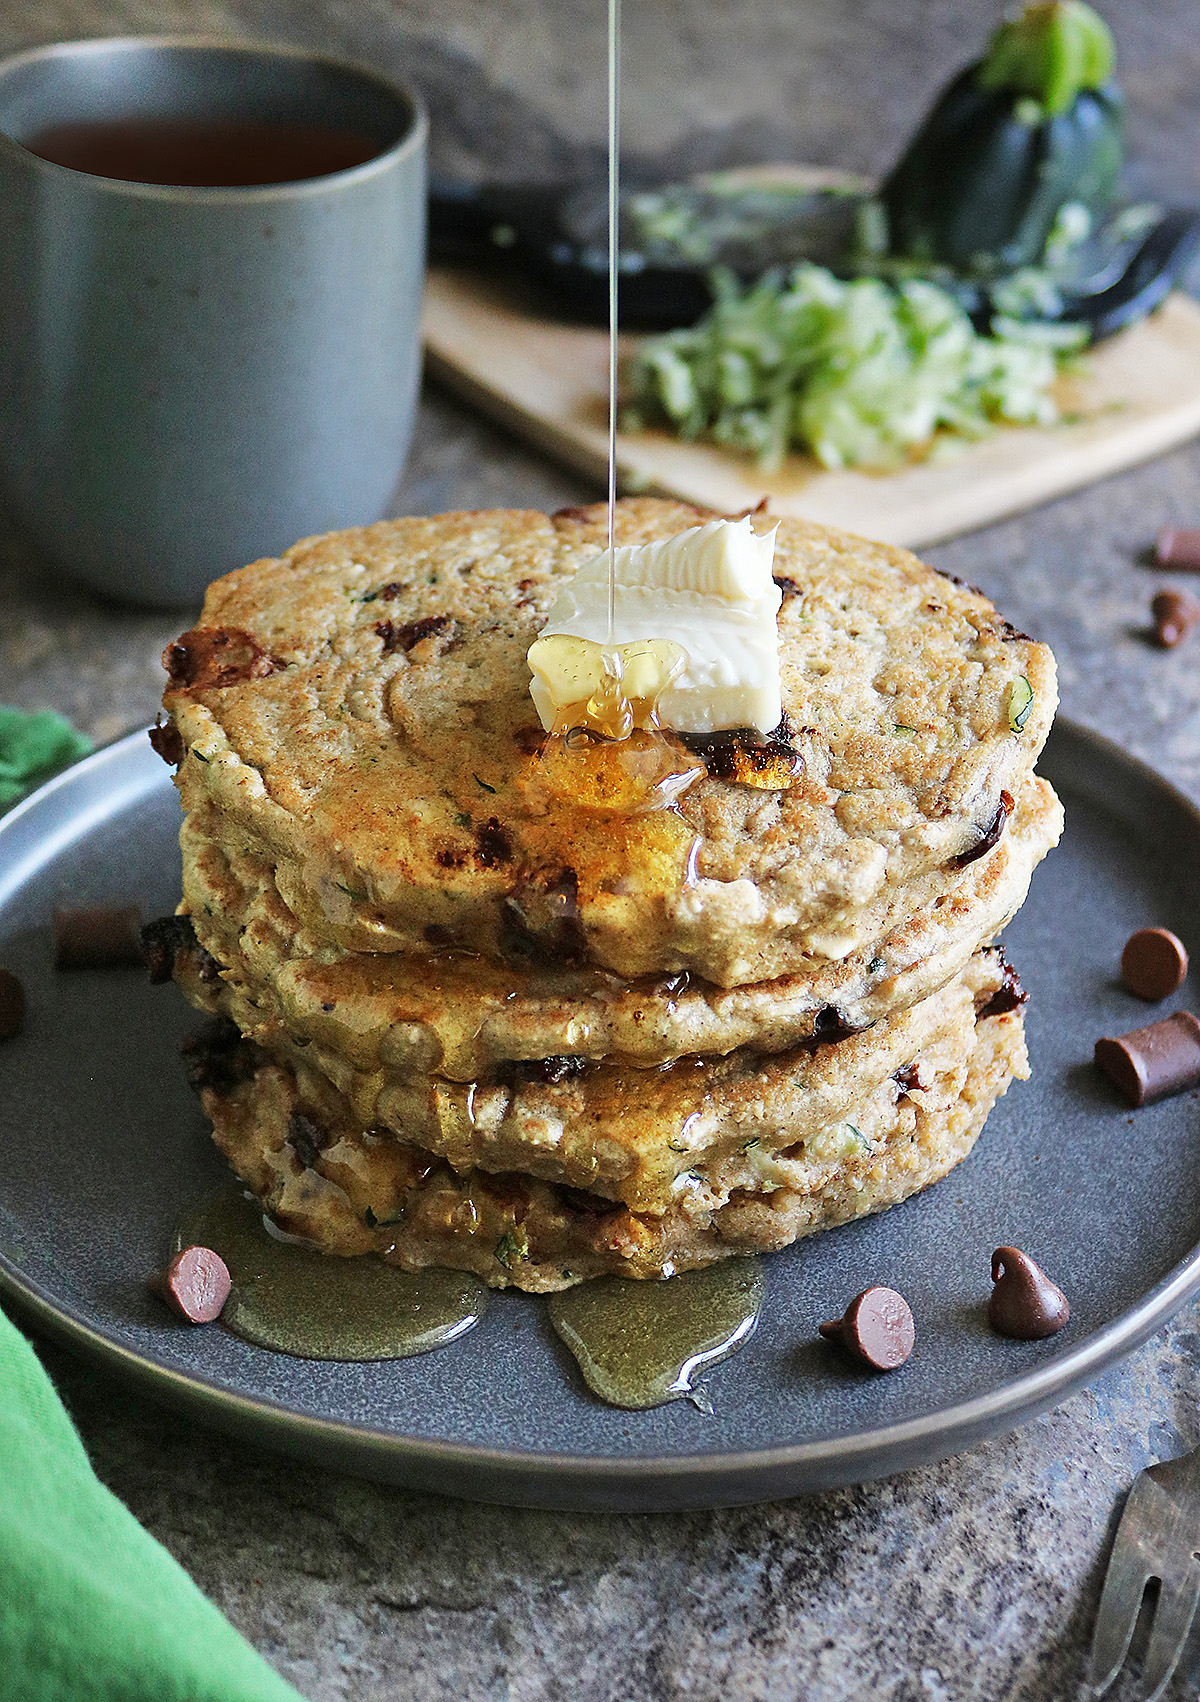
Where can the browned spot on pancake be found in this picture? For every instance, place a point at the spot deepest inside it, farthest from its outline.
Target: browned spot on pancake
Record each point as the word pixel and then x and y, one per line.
pixel 407 635
pixel 786 585
pixel 450 857
pixel 213 657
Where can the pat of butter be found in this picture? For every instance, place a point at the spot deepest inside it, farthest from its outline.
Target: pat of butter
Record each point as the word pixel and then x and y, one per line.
pixel 708 590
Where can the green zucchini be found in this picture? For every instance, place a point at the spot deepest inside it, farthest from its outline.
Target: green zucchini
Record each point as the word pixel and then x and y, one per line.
pixel 1033 127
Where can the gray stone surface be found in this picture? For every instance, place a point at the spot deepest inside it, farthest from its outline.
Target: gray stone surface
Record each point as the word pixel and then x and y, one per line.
pixel 978 1577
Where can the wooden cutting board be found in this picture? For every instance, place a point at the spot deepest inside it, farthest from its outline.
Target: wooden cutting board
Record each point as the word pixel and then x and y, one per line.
pixel 1138 395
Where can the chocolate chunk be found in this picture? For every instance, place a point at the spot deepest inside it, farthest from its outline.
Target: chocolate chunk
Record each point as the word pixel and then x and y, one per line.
pixel 542 925
pixel 1175 616
pixel 1009 996
pixel 594 1205
pixel 916 1077
pixel 492 844
pixel 877 1328
pixel 743 756
pixel 162 941
pixel 1149 1063
pixel 306 1138
pixel 529 740
pixel 208 658
pixel 1179 547
pixel 195 1285
pixel 830 1026
pixel 1024 1303
pixel 989 835
pixel 106 937
pixel 12 1005
pixel 166 739
pixel 219 1056
pixel 1154 963
pixel 407 635
pixel 553 1069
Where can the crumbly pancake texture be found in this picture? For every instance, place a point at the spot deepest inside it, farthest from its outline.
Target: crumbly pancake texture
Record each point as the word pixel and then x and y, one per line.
pixel 354 1190
pixel 463 1016
pixel 357 712
pixel 700 1128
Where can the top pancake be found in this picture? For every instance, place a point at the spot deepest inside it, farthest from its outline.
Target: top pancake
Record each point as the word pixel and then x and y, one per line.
pixel 360 709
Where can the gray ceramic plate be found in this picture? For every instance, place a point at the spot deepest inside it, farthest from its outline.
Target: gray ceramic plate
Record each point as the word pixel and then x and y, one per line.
pixel 101 1142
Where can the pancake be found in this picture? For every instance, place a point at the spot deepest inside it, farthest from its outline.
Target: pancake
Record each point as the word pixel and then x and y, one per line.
pixel 463 1016
pixel 353 1191
pixel 701 1127
pixel 357 714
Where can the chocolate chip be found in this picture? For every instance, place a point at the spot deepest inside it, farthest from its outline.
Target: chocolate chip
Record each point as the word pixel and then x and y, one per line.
pixel 1149 1063
pixel 405 636
pixel 12 1005
pixel 916 1077
pixel 877 1328
pixel 106 937
pixel 1179 547
pixel 1154 963
pixel 306 1138
pixel 1175 616
pixel 162 941
pixel 745 757
pixel 492 844
pixel 195 1284
pixel 210 658
pixel 167 741
pixel 989 835
pixel 554 1069
pixel 219 1056
pixel 1009 995
pixel 1024 1303
pixel 830 1026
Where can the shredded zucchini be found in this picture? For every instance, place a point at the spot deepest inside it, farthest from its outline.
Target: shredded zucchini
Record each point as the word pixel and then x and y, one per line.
pixel 860 373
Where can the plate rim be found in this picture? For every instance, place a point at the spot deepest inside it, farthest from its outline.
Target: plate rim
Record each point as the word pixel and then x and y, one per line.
pixel 536 1477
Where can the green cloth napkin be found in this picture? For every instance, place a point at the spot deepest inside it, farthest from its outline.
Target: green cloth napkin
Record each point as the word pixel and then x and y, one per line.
pixel 34 744
pixel 92 1609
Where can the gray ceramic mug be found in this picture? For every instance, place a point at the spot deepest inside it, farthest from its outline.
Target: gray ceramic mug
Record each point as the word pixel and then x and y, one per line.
pixel 193 378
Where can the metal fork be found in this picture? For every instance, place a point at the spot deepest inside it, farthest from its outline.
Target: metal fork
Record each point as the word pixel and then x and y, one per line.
pixel 1158 1537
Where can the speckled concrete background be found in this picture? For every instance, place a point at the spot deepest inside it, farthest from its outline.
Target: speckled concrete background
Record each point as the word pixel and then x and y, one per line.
pixel 977 1578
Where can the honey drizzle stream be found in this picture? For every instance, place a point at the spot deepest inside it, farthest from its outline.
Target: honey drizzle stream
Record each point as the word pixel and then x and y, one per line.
pixel 614 176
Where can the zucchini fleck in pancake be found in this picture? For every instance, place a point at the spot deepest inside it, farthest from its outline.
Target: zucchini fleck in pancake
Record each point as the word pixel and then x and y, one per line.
pixel 357 715
pixel 351 1189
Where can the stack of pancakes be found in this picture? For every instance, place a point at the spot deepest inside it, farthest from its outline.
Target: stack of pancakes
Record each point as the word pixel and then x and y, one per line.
pixel 468 1018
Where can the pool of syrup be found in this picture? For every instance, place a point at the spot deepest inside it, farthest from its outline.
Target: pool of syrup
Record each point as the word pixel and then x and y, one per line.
pixel 312 1305
pixel 638 1344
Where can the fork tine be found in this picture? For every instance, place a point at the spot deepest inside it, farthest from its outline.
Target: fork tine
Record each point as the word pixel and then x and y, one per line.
pixel 1130 1569
pixel 1172 1621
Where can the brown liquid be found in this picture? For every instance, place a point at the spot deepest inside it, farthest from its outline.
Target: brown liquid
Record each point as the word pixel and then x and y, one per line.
pixel 316 1306
pixel 203 152
pixel 641 1344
